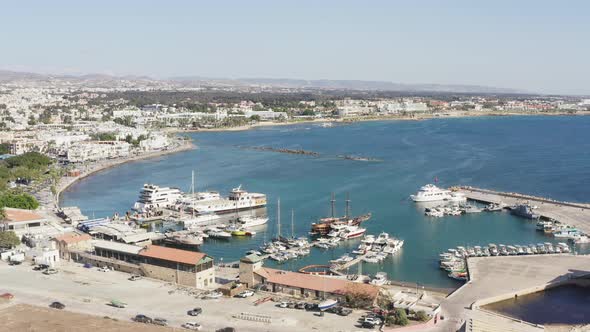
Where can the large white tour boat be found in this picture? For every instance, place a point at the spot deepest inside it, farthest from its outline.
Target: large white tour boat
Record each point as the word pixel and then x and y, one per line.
pixel 430 193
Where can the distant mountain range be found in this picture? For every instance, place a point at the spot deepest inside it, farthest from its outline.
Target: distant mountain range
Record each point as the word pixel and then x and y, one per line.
pixel 11 76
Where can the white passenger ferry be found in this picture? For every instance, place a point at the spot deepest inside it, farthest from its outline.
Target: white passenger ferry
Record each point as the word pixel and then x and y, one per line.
pixel 155 197
pixel 237 200
pixel 430 193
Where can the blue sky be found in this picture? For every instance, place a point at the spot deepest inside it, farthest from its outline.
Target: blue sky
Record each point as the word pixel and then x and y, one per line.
pixel 541 46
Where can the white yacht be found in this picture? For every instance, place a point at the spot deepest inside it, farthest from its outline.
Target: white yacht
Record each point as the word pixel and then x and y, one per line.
pixel 380 279
pixel 430 193
pixel 154 197
pixel 252 221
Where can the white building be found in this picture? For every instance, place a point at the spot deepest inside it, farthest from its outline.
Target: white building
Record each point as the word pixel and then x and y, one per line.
pixel 266 115
pixel 97 150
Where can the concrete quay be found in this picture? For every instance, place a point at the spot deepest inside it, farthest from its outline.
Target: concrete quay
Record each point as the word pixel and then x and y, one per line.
pixel 573 214
pixel 498 278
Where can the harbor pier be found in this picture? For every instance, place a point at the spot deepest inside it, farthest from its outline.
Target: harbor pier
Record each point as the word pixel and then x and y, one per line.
pixel 493 279
pixel 573 214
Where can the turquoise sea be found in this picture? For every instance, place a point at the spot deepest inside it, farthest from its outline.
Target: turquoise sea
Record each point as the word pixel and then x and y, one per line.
pixel 546 156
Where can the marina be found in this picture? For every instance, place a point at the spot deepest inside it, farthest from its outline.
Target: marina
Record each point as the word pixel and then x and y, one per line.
pixel 381 191
pixel 574 214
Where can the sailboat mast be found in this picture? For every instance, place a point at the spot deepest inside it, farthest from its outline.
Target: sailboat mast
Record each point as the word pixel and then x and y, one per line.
pixel 347 212
pixel 292 224
pixel 279 218
pixel 332 201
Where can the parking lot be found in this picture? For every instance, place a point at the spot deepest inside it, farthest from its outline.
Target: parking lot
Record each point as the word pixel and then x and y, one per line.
pixel 90 291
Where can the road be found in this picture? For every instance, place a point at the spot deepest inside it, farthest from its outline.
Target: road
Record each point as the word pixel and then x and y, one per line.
pixel 88 291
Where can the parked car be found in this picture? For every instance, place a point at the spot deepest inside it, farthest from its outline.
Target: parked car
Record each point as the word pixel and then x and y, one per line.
pixel 311 307
pixel 7 296
pixel 372 320
pixel 50 271
pixel 246 293
pixel 283 304
pixel 104 269
pixel 15 263
pixel 367 325
pixel 117 304
pixel 160 321
pixel 87 265
pixel 142 319
pixel 213 295
pixel 226 329
pixel 194 312
pixel 135 277
pixel 300 305
pixel 40 267
pixel 344 311
pixel 192 326
pixel 57 305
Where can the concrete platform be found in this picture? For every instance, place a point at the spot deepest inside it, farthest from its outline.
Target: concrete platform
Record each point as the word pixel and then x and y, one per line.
pixel 494 279
pixel 574 214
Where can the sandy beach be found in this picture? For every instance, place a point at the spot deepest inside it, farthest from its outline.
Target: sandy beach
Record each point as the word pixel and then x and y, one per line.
pixel 419 117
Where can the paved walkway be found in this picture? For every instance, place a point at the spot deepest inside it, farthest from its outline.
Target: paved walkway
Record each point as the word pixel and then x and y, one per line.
pixel 502 277
pixel 573 214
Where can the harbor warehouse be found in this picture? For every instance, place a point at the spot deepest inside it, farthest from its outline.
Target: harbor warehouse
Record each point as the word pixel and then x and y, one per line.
pixel 253 273
pixel 180 266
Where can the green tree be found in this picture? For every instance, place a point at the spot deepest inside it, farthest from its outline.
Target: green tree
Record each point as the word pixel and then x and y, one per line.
pixel 401 318
pixel 308 113
pixel 422 316
pixel 32 160
pixel 18 201
pixel 4 148
pixel 255 117
pixel 8 239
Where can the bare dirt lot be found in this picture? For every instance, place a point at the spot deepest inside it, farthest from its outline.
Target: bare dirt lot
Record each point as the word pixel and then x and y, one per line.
pixel 24 317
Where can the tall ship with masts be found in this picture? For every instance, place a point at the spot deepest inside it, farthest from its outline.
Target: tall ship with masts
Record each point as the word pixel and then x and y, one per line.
pixel 323 226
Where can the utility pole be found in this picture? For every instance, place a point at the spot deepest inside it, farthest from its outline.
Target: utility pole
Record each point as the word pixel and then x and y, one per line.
pixel 332 202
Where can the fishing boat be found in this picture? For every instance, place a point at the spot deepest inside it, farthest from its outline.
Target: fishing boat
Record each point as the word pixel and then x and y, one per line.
pixel 218 234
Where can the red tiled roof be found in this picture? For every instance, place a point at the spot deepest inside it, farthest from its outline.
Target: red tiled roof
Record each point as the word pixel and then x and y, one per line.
pixel 19 215
pixel 71 238
pixel 314 282
pixel 172 254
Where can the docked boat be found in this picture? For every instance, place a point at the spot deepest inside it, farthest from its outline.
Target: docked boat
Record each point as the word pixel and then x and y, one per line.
pixel 327 304
pixel 237 200
pixel 567 233
pixel 469 208
pixel 525 211
pixel 380 279
pixel 252 221
pixel 218 234
pixel 200 220
pixel 382 238
pixel 153 197
pixel 431 193
pixel 351 232
pixel 457 197
pixel 493 207
pixel 324 225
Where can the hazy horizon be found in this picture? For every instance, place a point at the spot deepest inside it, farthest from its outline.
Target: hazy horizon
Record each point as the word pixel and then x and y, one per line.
pixel 535 46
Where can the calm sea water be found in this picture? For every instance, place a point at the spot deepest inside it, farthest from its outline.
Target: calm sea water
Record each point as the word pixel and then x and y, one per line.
pixel 547 156
pixel 560 305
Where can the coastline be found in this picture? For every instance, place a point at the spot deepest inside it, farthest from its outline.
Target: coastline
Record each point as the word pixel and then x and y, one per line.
pixel 66 181
pixel 421 117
